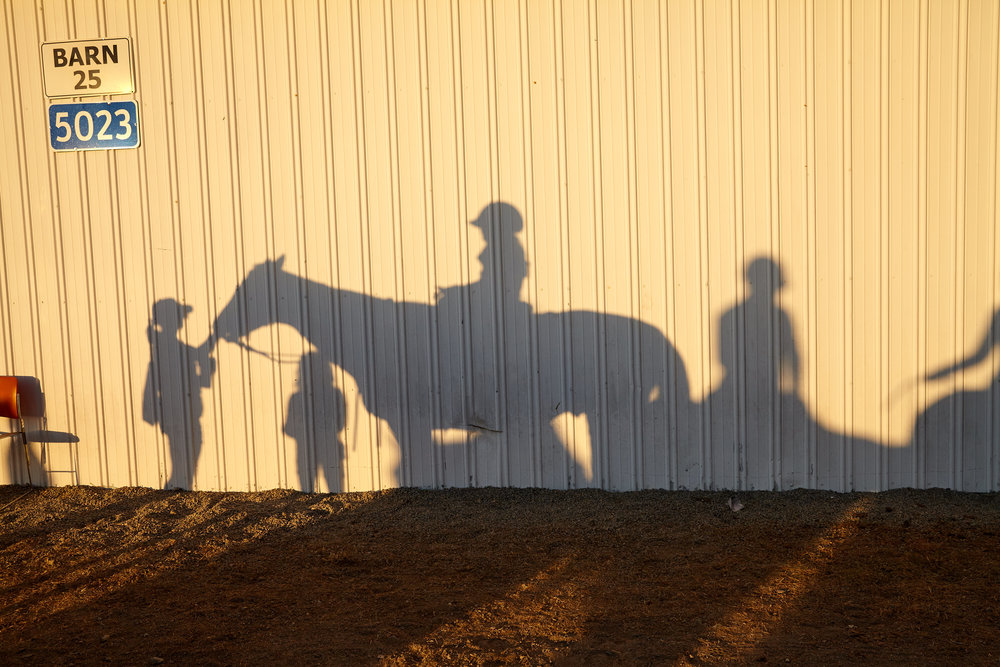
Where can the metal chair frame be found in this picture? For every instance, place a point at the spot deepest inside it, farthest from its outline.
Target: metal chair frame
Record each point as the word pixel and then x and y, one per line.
pixel 10 407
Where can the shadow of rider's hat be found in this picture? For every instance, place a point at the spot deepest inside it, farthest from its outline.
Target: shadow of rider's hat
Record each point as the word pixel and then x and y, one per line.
pixel 499 213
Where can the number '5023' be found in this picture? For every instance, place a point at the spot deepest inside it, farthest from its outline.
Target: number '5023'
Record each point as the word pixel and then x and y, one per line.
pixel 88 126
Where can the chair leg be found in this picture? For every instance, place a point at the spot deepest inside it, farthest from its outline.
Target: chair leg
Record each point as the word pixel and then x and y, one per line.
pixel 24 439
pixel 27 456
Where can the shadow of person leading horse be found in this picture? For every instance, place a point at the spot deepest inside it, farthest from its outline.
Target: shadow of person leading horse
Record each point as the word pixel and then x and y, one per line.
pixel 621 374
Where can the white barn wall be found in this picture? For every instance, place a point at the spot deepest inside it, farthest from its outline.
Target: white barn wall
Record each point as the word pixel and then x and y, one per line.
pixel 652 155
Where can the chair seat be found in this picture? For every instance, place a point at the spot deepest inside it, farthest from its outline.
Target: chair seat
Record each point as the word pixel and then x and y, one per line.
pixel 8 397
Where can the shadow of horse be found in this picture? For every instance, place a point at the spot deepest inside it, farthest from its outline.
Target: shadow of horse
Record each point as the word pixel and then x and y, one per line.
pixel 412 367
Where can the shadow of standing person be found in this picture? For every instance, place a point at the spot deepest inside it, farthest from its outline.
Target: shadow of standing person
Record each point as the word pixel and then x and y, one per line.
pixel 172 396
pixel 319 410
pixel 767 376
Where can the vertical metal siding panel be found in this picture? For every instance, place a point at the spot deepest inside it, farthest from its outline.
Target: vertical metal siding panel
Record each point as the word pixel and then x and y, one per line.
pixel 525 470
pixel 514 170
pixel 380 250
pixel 20 286
pixel 209 45
pixel 103 212
pixel 550 224
pixel 102 280
pixel 75 223
pixel 901 220
pixel 351 322
pixel 651 254
pixel 233 366
pixel 48 244
pixel 352 258
pixel 130 290
pixel 722 269
pixel 637 394
pixel 995 385
pixel 599 429
pixel 429 471
pixel 486 454
pixel 184 164
pixel 195 192
pixel 884 211
pixel 300 407
pixel 455 459
pixel 630 363
pixel 847 85
pixel 325 405
pixel 680 405
pixel 789 302
pixel 281 225
pixel 253 214
pixel 960 184
pixel 980 259
pixel 738 447
pixel 704 321
pixel 159 139
pixel 304 453
pixel 752 327
pixel 810 363
pixel 536 50
pixel 54 459
pixel 416 278
pixel 685 178
pixel 568 280
pixel 828 170
pixel 102 202
pixel 447 226
pixel 865 249
pixel 226 449
pixel 10 210
pixel 475 67
pixel 935 430
pixel 917 438
pixel 279 228
pixel 315 413
pixel 393 472
pixel 150 441
pixel 614 260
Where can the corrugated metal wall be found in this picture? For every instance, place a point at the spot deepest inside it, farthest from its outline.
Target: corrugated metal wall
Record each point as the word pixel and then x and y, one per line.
pixel 624 244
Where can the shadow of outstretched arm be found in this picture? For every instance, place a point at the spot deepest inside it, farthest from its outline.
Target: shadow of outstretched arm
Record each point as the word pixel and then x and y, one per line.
pixel 980 355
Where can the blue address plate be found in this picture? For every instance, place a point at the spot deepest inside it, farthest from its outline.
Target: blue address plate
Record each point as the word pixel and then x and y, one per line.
pixel 89 126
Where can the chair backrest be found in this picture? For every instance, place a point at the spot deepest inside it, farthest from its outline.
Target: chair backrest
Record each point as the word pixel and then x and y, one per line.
pixel 8 397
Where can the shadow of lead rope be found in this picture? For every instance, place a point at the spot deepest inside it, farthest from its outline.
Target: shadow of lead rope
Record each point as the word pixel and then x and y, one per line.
pixel 267 355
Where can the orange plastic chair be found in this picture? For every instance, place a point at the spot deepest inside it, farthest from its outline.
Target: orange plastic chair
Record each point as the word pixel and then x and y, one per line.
pixel 10 407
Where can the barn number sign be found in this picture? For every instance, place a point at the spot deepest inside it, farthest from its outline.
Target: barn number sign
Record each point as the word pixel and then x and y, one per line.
pixel 94 67
pixel 82 69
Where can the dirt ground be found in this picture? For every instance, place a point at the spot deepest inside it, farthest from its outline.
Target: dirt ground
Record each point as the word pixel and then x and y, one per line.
pixel 497 576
